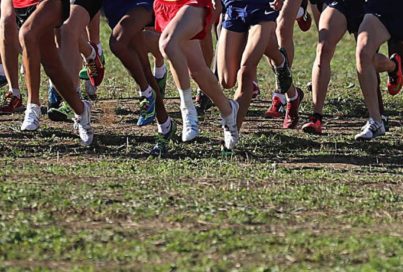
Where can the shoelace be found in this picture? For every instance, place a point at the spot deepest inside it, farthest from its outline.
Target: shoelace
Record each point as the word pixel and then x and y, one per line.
pixel 31 117
pixel 372 126
pixel 144 105
pixel 277 103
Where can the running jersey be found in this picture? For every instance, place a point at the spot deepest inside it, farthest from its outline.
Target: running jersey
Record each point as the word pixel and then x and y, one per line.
pixel 24 3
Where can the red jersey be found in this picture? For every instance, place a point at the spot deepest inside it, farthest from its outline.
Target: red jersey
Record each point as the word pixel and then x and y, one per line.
pixel 24 3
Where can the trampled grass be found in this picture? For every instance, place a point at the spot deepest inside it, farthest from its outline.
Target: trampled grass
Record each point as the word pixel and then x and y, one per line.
pixel 284 201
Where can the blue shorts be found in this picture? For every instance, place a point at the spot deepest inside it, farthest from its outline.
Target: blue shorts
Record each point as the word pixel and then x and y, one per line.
pixel 389 12
pixel 116 9
pixel 240 16
pixel 353 10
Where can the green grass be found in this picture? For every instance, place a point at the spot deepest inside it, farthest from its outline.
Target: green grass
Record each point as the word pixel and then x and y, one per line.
pixel 284 201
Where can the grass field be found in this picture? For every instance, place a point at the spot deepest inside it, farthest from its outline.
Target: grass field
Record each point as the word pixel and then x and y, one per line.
pixel 284 202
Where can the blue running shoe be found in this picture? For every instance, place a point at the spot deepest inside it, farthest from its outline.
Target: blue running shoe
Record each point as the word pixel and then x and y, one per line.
pixel 54 99
pixel 147 110
pixel 3 81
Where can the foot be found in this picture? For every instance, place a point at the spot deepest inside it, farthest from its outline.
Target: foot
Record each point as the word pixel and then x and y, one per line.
pixel 277 108
pixel 256 90
pixel 162 141
pixel 203 102
pixel 292 112
pixel 62 114
pixel 371 130
pixel 395 80
pixel 283 74
pixel 190 128
pixel 82 124
pixel 95 68
pixel 162 83
pixel 32 117
pixel 147 110
pixel 305 21
pixel 84 73
pixel 11 104
pixel 314 126
pixel 54 99
pixel 3 81
pixel 231 133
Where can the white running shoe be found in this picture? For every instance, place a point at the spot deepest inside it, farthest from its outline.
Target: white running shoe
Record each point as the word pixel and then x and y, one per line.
pixel 31 119
pixel 371 130
pixel 82 123
pixel 190 124
pixel 231 133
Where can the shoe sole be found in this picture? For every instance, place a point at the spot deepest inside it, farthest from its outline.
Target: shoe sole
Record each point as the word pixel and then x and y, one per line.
pixel 310 130
pixel 17 110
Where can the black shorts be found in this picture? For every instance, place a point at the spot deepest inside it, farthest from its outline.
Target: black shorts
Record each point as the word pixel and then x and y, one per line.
pixel 92 6
pixel 65 10
pixel 353 10
pixel 389 13
pixel 319 4
pixel 22 14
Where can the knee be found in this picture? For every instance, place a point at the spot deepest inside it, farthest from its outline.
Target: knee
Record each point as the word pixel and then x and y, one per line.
pixel 116 46
pixel 363 57
pixel 246 76
pixel 324 52
pixel 168 45
pixel 27 37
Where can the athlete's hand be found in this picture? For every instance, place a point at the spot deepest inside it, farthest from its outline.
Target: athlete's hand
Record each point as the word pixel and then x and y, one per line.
pixel 277 4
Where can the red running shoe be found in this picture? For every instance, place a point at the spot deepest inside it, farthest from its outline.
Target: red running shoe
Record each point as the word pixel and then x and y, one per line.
pixel 314 126
pixel 291 115
pixel 395 80
pixel 11 104
pixel 276 109
pixel 95 68
pixel 305 21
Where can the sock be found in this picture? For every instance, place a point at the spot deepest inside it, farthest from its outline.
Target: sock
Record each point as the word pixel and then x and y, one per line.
pixel 300 13
pixel 100 50
pixel 92 55
pixel 290 99
pixel 318 116
pixel 15 92
pixel 282 64
pixel 282 97
pixel 186 98
pixel 2 70
pixel 159 72
pixel 165 127
pixel 148 92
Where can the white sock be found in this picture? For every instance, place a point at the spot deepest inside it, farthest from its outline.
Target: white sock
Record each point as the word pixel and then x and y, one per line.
pixel 15 92
pixel 281 96
pixel 290 99
pixel 2 70
pixel 100 50
pixel 300 13
pixel 186 98
pixel 159 72
pixel 148 92
pixel 92 55
pixel 165 127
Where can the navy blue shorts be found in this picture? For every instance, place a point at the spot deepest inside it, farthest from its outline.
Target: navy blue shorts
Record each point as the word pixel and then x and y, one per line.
pixel 240 16
pixel 116 9
pixel 389 12
pixel 353 10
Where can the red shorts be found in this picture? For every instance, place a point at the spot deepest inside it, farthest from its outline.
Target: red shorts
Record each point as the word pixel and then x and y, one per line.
pixel 165 11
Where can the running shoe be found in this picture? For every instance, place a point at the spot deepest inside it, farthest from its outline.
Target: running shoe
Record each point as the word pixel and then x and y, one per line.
pixel 277 108
pixel 395 79
pixel 231 133
pixel 3 81
pixel 305 21
pixel 291 115
pixel 32 117
pixel 82 124
pixel 371 130
pixel 11 104
pixel 314 126
pixel 162 83
pixel 54 98
pixel 190 129
pixel 283 74
pixel 147 110
pixel 62 114
pixel 84 73
pixel 162 141
pixel 95 68
pixel 203 102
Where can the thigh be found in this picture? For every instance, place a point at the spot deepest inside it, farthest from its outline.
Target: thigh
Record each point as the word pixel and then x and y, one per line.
pixel 44 18
pixel 7 8
pixel 230 47
pixel 372 34
pixel 91 6
pixel 332 26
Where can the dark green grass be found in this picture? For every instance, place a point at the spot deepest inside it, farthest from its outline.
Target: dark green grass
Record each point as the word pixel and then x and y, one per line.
pixel 284 201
